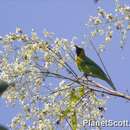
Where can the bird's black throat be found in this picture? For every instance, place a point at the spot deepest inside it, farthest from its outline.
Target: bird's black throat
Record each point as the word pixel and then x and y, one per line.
pixel 78 50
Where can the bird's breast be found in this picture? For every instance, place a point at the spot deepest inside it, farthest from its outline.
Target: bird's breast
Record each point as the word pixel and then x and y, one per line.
pixel 79 62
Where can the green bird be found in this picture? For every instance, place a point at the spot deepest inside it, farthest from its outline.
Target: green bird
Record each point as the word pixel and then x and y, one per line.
pixel 3 86
pixel 89 67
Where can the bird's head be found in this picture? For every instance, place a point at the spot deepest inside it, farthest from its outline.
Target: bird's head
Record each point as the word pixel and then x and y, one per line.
pixel 79 50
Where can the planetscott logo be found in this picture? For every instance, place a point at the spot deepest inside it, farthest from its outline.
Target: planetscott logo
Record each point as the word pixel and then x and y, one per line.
pixel 106 123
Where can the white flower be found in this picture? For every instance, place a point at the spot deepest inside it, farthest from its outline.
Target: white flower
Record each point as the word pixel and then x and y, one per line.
pixel 61 83
pixel 18 30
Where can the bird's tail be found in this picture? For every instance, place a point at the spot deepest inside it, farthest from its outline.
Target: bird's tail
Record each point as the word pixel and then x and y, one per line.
pixel 111 84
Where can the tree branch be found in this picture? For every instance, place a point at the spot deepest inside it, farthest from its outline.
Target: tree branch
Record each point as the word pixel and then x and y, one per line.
pixel 93 86
pixel 110 91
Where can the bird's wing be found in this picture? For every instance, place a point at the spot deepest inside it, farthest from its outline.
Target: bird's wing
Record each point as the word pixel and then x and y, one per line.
pixel 95 69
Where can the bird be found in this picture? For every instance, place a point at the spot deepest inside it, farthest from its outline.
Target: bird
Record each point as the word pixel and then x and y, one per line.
pixel 89 67
pixel 3 86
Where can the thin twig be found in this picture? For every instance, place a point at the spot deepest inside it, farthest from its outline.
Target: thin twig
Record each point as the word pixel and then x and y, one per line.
pixel 66 64
pixel 93 46
pixel 69 124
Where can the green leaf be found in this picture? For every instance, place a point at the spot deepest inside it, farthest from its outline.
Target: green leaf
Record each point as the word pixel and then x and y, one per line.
pixel 73 121
pixel 66 112
pixel 3 128
pixel 75 96
pixel 3 86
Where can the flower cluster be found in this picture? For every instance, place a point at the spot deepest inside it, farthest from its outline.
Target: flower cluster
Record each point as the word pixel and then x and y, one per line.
pixel 45 76
pixel 105 23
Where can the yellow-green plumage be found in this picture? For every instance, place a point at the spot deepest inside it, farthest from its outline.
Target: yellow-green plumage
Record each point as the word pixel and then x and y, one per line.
pixel 89 67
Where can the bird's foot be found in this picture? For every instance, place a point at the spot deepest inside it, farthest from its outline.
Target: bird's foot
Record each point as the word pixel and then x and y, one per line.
pixel 85 75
